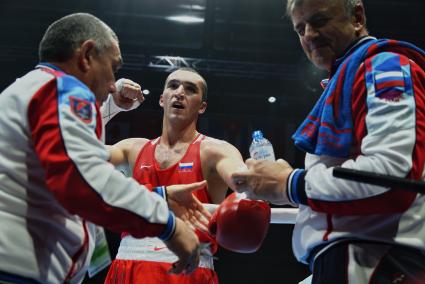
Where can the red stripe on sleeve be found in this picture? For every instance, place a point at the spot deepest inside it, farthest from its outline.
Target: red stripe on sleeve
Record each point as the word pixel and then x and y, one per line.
pixel 389 84
pixel 359 109
pixel 418 81
pixel 394 201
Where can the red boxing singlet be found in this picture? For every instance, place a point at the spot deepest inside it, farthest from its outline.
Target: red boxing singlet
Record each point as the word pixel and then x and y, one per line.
pixel 146 261
pixel 187 170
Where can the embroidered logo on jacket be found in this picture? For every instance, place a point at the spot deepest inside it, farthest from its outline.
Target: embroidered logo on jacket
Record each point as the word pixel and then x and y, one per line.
pixel 185 167
pixel 81 108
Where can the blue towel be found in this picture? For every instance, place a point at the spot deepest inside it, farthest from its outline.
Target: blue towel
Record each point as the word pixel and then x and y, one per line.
pixel 328 129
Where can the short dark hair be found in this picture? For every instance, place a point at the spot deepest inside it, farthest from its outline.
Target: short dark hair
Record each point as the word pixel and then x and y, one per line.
pixel 204 82
pixel 65 35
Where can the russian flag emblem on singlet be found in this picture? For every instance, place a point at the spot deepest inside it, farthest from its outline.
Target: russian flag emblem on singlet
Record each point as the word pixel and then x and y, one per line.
pixel 186 167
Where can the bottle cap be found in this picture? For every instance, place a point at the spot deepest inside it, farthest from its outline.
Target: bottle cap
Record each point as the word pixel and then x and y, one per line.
pixel 257 135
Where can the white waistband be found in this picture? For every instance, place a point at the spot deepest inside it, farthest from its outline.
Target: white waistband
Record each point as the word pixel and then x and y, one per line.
pixel 152 249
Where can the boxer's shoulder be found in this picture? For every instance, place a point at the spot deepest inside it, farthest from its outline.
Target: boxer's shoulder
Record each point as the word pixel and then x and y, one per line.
pixel 213 146
pixel 210 141
pixel 215 150
pixel 136 144
pixel 131 147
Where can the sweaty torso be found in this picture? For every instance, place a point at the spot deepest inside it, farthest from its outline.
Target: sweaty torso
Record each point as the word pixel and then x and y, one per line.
pixel 157 165
pixel 166 157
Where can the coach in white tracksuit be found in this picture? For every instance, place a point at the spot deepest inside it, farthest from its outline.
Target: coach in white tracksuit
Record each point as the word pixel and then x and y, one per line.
pixel 370 117
pixel 54 173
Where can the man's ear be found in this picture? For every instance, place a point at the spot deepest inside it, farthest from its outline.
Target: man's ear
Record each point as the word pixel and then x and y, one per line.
pixel 203 108
pixel 161 100
pixel 86 52
pixel 359 19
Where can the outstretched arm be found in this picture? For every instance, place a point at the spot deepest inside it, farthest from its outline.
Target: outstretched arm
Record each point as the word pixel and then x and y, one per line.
pixel 265 180
pixel 229 160
pixel 220 160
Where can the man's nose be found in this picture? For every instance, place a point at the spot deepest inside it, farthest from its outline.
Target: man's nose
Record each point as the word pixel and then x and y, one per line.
pixel 310 32
pixel 179 91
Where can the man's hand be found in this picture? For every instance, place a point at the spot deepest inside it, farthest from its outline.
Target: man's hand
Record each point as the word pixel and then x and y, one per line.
pixel 264 180
pixel 128 95
pixel 186 206
pixel 185 244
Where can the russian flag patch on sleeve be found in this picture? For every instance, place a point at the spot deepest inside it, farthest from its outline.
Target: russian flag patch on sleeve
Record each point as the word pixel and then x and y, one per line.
pixel 389 77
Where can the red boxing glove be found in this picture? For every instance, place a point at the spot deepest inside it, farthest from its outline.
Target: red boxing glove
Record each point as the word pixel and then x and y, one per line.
pixel 240 225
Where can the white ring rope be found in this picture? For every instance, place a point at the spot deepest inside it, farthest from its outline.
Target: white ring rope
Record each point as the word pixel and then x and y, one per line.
pixel 278 215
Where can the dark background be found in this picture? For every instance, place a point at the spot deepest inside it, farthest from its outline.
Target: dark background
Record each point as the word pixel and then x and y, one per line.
pixel 246 50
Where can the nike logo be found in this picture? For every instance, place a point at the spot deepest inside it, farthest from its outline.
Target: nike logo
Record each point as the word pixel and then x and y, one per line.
pixel 145 167
pixel 158 248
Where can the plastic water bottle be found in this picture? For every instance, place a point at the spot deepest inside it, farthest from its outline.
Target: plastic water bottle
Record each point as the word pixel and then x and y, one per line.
pixel 261 148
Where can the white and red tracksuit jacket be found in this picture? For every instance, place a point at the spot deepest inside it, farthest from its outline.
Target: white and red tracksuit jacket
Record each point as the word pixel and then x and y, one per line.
pixel 388 110
pixel 54 175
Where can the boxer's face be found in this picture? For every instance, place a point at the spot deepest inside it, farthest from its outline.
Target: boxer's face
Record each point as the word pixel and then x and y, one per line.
pixel 325 30
pixel 182 96
pixel 105 64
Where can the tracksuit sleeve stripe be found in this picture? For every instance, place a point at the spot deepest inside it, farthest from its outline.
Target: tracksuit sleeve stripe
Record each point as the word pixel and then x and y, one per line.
pixel 170 228
pixel 161 191
pixel 296 187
